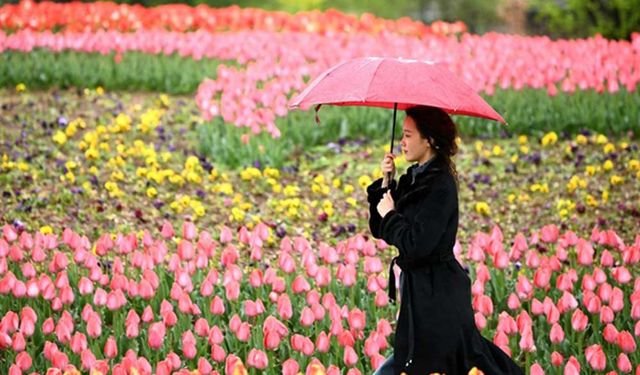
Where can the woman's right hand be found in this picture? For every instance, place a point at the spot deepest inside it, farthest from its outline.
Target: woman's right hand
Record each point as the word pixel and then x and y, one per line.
pixel 388 166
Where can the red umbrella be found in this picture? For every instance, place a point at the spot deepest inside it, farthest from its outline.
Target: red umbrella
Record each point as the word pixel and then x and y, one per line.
pixel 394 83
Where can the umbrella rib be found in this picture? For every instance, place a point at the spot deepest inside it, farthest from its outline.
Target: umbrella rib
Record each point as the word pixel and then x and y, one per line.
pixel 366 93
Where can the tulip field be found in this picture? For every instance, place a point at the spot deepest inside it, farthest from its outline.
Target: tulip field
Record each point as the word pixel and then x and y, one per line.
pixel 164 212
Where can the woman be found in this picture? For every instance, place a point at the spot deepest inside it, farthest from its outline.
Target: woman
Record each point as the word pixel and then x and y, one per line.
pixel 436 330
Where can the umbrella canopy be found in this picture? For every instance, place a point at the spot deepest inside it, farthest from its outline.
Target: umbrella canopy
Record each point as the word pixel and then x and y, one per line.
pixel 394 83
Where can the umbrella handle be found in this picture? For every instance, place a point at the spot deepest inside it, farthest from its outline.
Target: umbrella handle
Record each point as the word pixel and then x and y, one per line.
pixel 393 132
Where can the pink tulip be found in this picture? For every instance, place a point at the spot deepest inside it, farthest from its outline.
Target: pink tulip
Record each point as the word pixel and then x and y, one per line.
pixel 626 342
pixel 257 359
pixel 323 342
pixel 624 364
pixel 290 367
pixel 244 332
pixel 110 348
pixel 204 367
pixel 557 334
pixel 217 353
pixel 78 343
pixel 596 357
pixel 156 335
pixel 24 361
pixel 284 308
pixel 357 320
pixel 188 345
pixel 579 321
pixel 536 369
pixel 556 359
pixel 350 358
pixel 306 317
pixel 167 230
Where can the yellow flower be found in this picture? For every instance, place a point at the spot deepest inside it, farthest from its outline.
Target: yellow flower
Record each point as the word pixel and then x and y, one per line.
pixel 71 129
pixel 543 188
pixel 608 165
pixel 46 229
pixel 250 173
pixel 111 186
pixel 590 170
pixel 276 188
pixel 601 139
pixel 633 165
pixel 352 201
pixel 605 195
pixel 20 87
pixel 364 181
pixel 581 139
pixel 86 186
pixel 152 192
pixel 60 138
pixel 319 179
pixel 237 214
pixel 524 149
pixel 91 154
pixel 70 176
pixel 93 170
pixel 609 148
pixel 348 189
pixel 591 201
pixel 22 166
pixel 479 146
pixel 271 173
pixel 511 198
pixel 482 208
pixel 291 190
pixel 616 180
pixel 164 100
pixel 336 183
pixel 523 139
pixel 514 159
pixel 497 150
pixel 213 175
pixel 549 138
pixel 99 90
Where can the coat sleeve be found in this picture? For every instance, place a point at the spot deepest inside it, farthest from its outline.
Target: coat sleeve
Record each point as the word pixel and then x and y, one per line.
pixel 375 191
pixel 418 236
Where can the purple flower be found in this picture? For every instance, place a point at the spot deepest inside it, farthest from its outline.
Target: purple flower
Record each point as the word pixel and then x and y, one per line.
pixel 62 121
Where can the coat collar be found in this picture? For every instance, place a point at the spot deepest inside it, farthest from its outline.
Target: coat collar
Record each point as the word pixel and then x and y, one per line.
pixel 422 182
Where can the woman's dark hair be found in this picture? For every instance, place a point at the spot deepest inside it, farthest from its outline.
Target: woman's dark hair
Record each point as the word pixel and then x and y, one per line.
pixel 436 124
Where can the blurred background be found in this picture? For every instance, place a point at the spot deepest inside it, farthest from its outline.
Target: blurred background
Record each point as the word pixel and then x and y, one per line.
pixel 613 19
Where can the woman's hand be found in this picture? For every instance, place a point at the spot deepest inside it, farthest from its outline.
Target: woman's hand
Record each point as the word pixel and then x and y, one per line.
pixel 386 204
pixel 388 166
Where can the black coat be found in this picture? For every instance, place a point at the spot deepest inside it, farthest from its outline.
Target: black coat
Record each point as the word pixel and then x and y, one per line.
pixel 423 227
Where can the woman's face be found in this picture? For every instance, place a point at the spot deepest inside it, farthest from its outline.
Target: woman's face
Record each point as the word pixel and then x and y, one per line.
pixel 414 147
